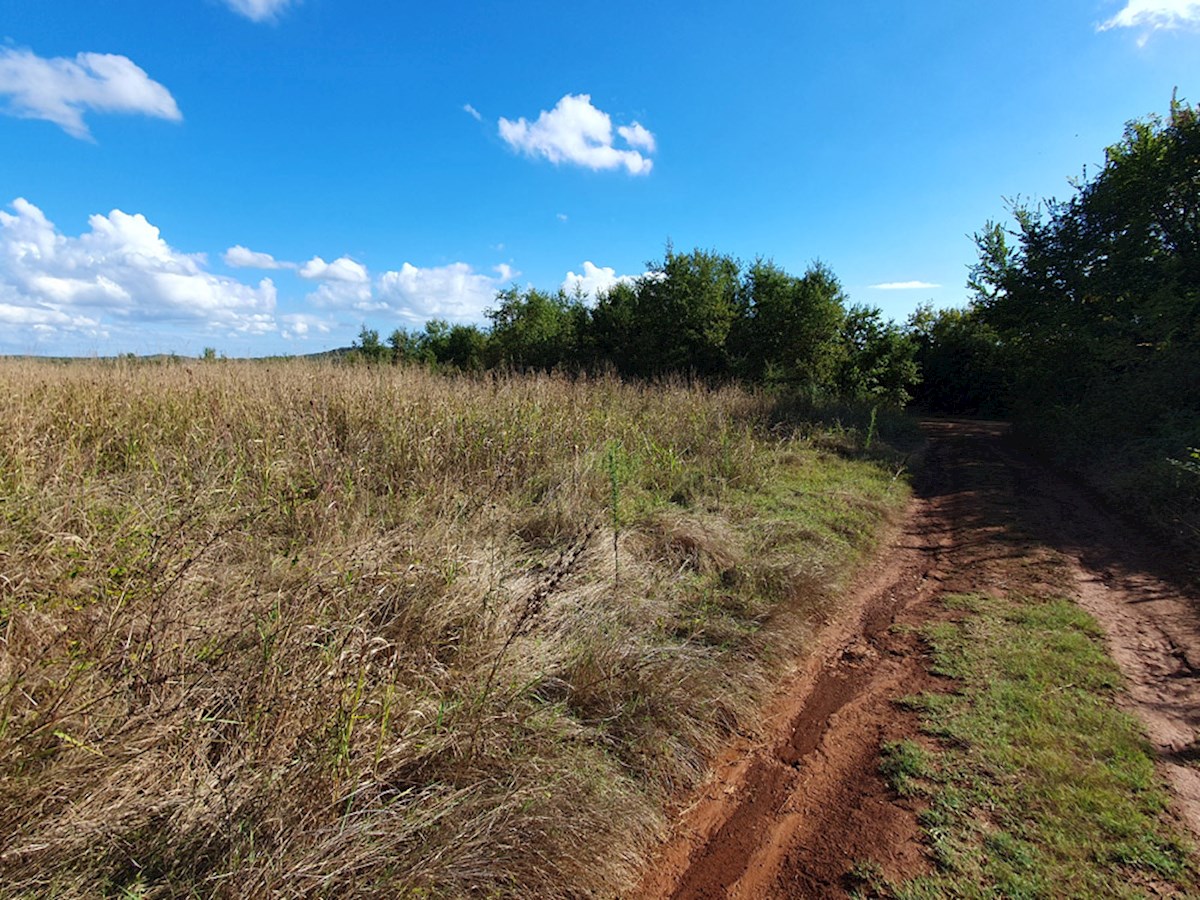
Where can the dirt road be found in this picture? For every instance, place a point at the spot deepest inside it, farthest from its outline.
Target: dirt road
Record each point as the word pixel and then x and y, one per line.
pixel 787 813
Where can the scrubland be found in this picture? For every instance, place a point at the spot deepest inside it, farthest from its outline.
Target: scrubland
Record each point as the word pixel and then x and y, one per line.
pixel 305 629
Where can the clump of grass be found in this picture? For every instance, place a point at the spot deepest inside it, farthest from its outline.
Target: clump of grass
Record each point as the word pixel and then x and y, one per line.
pixel 1042 786
pixel 296 628
pixel 905 764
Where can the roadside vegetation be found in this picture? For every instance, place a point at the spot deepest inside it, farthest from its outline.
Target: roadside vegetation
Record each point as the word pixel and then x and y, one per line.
pixel 1084 327
pixel 363 631
pixel 1036 783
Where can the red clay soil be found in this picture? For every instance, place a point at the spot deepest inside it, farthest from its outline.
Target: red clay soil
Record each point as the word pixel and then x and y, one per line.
pixel 789 812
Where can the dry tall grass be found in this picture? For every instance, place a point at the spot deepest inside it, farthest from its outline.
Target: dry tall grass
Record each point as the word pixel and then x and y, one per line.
pixel 295 629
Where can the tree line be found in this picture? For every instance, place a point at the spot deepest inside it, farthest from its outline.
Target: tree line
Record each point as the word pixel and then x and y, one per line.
pixel 1084 323
pixel 701 314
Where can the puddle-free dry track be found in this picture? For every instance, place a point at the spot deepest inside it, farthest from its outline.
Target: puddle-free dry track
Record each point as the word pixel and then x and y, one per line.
pixel 789 812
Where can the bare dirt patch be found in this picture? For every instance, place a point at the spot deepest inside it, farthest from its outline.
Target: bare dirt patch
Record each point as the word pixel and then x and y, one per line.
pixel 791 811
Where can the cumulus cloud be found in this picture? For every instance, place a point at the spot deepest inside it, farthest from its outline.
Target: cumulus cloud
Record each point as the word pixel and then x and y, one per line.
pixel 343 269
pixel 636 135
pixel 594 280
pixel 44 321
pixel 344 295
pixel 61 90
pixel 455 291
pixel 119 272
pixel 472 112
pixel 904 286
pixel 577 132
pixel 240 257
pixel 299 326
pixel 1155 14
pixel 259 10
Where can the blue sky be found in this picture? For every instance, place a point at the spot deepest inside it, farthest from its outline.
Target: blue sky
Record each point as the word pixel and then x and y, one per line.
pixel 265 176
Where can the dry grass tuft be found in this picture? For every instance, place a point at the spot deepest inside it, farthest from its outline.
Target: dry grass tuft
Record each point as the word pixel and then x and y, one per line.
pixel 293 628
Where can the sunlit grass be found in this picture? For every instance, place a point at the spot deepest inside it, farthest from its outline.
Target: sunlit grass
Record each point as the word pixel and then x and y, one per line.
pixel 326 630
pixel 1039 786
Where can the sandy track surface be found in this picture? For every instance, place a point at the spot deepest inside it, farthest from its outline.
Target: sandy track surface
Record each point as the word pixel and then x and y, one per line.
pixel 788 812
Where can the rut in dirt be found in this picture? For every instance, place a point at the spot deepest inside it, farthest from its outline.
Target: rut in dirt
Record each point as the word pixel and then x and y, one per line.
pixel 790 813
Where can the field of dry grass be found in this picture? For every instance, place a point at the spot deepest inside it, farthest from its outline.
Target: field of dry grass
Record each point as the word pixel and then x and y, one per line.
pixel 299 629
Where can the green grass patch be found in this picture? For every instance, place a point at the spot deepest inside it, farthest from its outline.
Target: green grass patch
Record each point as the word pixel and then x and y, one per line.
pixel 905 764
pixel 1043 787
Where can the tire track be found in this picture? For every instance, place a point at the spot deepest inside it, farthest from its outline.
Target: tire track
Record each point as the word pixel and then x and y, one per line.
pixel 788 815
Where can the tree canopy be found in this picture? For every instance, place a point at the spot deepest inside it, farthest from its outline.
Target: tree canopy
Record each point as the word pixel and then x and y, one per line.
pixel 1084 323
pixel 1098 295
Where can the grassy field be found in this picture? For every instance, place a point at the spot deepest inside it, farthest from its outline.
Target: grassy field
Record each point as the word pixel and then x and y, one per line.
pixel 296 628
pixel 1037 785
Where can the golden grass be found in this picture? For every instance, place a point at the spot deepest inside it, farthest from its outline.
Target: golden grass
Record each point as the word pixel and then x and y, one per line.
pixel 299 629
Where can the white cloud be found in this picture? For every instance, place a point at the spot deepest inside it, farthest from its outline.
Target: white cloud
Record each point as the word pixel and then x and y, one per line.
pixel 122 283
pixel 904 286
pixel 259 10
pixel 455 291
pixel 120 272
pixel 343 269
pixel 60 90
pixel 298 326
pixel 344 295
pixel 636 135
pixel 562 217
pixel 472 112
pixel 579 133
pixel 594 280
pixel 40 319
pixel 240 257
pixel 1155 14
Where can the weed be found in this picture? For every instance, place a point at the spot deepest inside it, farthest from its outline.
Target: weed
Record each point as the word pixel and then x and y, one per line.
pixel 904 764
pixel 615 464
pixel 872 433
pixel 293 628
pixel 866 879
